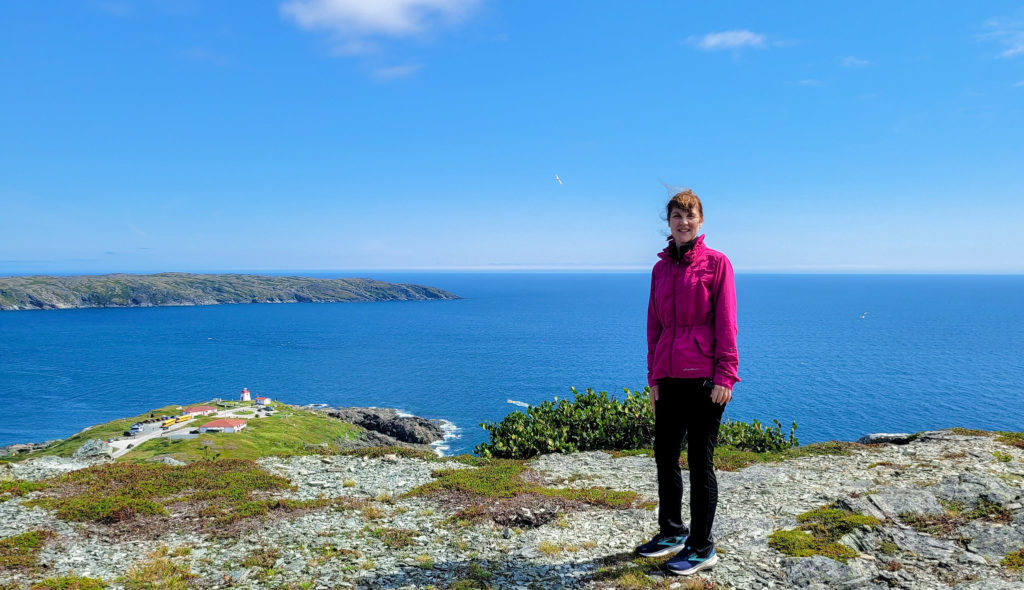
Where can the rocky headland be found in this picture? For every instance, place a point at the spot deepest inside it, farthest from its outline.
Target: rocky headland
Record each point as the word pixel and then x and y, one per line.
pixel 937 509
pixel 173 288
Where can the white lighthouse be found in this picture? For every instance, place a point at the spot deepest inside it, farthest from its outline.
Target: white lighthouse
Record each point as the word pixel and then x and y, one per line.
pixel 245 395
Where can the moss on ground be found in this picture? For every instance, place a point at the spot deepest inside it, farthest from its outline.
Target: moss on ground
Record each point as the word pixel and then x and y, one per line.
pixel 22 551
pixel 629 572
pixel 69 582
pixel 1014 560
pixel 819 531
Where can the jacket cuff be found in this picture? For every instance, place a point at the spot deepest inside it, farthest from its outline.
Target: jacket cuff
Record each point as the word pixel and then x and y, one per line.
pixel 727 381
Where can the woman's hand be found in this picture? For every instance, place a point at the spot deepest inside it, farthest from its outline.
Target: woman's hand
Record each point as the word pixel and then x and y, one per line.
pixel 654 396
pixel 721 395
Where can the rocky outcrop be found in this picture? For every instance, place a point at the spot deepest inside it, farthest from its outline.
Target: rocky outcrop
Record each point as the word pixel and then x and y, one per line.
pixel 388 422
pixel 93 448
pixel 903 486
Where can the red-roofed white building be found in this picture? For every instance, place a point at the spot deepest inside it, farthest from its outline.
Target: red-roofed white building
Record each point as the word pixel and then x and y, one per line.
pixel 245 397
pixel 199 410
pixel 223 425
pixel 263 401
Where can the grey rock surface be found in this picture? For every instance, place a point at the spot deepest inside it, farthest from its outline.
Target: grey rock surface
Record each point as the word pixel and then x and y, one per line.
pixel 92 449
pixel 407 429
pixel 891 438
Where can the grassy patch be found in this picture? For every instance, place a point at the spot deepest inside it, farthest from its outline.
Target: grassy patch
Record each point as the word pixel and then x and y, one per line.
pixel 22 551
pixel 70 582
pixel 278 435
pixel 221 490
pixel 1014 560
pixel 819 531
pixel 264 557
pixel 969 431
pixel 158 573
pixel 381 452
pixel 1014 439
pixel 500 482
pixel 394 538
pixel 1002 457
pixel 628 572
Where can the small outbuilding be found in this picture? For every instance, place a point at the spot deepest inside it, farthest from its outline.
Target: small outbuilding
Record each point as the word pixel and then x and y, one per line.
pixel 263 401
pixel 223 425
pixel 199 410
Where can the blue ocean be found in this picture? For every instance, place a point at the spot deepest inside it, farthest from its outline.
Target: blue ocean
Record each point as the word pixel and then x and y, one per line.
pixel 842 355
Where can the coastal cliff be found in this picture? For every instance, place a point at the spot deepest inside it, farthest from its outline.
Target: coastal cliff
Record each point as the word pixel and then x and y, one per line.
pixel 127 290
pixel 941 509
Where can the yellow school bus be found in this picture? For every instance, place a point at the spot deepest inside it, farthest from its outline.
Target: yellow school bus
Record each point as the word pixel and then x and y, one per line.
pixel 168 423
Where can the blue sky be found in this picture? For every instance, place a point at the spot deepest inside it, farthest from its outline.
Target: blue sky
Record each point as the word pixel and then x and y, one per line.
pixel 193 135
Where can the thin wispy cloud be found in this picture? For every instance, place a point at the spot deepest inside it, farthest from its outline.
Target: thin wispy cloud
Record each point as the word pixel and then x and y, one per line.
pixel 1019 84
pixel 729 40
pixel 809 82
pixel 851 61
pixel 1008 33
pixel 395 72
pixel 361 20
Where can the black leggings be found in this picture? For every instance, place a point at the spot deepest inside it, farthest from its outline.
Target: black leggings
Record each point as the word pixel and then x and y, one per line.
pixel 684 410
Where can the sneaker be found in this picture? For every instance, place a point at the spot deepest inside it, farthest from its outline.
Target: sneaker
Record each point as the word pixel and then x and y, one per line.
pixel 661 545
pixel 688 562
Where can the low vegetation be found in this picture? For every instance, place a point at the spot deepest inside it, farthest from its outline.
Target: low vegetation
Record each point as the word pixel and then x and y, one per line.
pixel 19 487
pixel 223 491
pixel 156 572
pixel 819 532
pixel 1014 560
pixel 69 582
pixel 22 551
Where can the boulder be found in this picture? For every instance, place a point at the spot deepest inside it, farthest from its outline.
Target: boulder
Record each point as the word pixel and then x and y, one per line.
pixel 94 448
pixel 889 438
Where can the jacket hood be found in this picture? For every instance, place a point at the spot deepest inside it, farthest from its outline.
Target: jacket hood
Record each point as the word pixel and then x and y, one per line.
pixel 693 254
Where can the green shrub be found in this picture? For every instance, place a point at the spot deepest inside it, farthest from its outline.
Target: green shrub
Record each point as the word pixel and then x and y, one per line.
pixel 597 421
pixel 592 420
pixel 756 437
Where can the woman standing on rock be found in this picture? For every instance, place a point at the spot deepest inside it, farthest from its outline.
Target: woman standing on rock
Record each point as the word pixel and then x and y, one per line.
pixel 691 369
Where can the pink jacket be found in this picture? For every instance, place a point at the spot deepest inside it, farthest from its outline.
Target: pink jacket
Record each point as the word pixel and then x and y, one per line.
pixel 691 317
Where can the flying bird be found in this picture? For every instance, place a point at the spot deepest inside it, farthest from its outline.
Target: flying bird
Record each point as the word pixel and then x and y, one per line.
pixel 558 179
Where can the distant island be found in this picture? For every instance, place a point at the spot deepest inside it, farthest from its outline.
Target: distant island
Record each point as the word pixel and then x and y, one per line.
pixel 174 288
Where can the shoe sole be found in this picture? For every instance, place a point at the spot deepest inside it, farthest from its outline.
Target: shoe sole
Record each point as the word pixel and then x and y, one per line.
pixel 661 552
pixel 711 561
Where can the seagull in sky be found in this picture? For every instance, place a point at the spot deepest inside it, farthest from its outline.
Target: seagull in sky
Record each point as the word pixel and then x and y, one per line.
pixel 558 179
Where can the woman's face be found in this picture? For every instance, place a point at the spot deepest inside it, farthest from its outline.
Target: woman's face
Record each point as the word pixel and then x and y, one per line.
pixel 684 225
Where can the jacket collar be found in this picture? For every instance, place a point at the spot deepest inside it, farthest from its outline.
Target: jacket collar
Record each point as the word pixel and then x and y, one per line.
pixel 693 254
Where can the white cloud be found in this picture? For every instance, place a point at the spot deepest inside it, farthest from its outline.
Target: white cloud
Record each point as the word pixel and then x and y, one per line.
pixel 809 82
pixel 1008 33
pixel 728 40
pixel 361 18
pixel 855 62
pixel 1019 84
pixel 115 8
pixel 395 72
